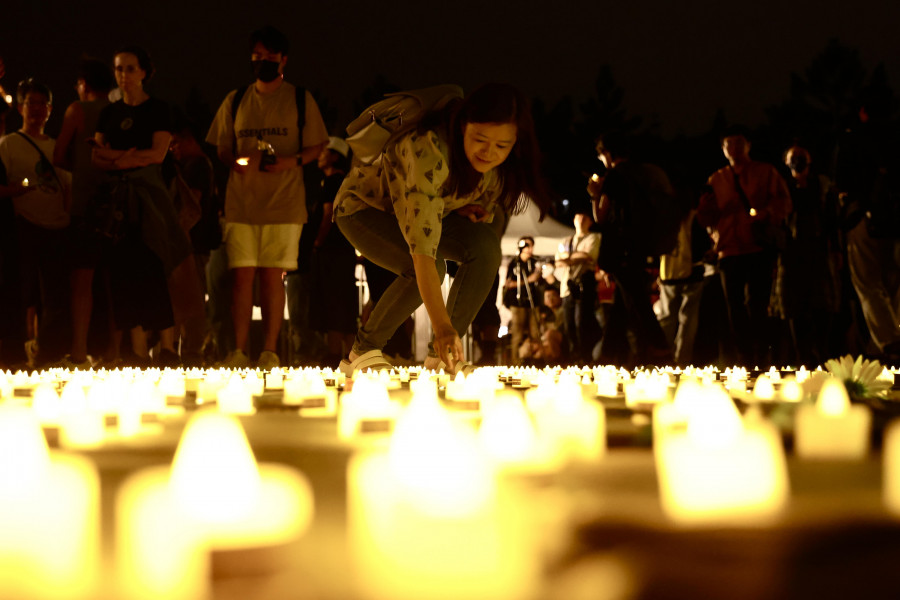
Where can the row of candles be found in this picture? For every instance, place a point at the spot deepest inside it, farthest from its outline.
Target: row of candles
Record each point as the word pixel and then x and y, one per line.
pixel 429 513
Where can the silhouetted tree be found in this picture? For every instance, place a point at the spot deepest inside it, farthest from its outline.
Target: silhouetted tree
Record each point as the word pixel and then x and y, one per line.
pixel 605 111
pixel 824 99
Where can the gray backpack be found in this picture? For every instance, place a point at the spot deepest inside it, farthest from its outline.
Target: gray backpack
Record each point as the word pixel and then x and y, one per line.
pixel 387 120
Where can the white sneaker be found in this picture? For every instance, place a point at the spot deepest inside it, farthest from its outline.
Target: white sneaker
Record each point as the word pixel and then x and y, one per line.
pixel 373 359
pixel 236 359
pixel 268 360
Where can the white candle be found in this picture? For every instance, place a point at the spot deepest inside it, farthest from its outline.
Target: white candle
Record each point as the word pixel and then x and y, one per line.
pixel 764 388
pixel 307 391
pixel 720 470
pixel 82 426
pixel 214 497
pixel 275 379
pixel 791 390
pixel 159 553
pixel 507 432
pixel 832 428
pixel 891 467
pixel 49 515
pixel 235 397
pixel 236 502
pixel 574 427
pixel 425 520
pixel 367 409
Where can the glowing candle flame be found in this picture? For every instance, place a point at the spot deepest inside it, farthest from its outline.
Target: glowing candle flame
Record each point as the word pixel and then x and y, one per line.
pixel 436 461
pixel 718 423
pixel 833 399
pixel 214 473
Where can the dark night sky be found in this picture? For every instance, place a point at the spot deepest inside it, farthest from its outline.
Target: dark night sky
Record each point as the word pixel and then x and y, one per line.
pixel 678 60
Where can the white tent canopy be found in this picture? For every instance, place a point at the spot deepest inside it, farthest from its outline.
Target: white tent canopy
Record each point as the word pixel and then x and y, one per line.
pixel 547 234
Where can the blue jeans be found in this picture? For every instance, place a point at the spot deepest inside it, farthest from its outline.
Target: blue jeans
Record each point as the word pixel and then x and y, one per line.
pixel 474 246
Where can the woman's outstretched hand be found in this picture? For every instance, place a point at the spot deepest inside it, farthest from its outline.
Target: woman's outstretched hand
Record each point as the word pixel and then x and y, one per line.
pixel 448 346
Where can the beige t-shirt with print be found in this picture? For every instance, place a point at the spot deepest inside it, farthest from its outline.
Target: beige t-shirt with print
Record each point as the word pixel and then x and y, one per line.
pixel 407 181
pixel 256 197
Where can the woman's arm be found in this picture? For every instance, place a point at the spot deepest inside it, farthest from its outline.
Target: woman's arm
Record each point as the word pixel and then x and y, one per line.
pixel 446 341
pixel 110 159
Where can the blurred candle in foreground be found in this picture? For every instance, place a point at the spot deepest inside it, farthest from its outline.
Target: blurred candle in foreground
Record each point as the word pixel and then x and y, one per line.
pixel 574 428
pixel 832 428
pixel 236 502
pixel 215 496
pixel 891 468
pixel 49 515
pixel 425 519
pixel 720 469
pixel 159 553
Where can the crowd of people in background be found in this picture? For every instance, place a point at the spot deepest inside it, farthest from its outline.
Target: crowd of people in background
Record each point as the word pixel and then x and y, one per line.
pixel 125 224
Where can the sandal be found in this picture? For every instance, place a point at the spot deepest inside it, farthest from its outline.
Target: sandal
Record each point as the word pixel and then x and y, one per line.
pixel 373 359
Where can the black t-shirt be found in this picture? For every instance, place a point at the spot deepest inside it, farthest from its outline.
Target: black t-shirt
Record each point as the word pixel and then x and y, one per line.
pixel 519 271
pixel 124 126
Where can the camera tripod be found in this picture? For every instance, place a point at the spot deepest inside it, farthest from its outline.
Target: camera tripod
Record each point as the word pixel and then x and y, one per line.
pixel 534 313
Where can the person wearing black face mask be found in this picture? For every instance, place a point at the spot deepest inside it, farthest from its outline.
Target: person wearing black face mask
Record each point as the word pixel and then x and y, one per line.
pixel 807 281
pixel 264 70
pixel 265 133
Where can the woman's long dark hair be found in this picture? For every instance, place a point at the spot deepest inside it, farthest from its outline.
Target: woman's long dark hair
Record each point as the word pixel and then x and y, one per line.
pixel 520 172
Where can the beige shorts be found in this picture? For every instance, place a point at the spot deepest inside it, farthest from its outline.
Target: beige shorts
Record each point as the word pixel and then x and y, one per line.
pixel 272 246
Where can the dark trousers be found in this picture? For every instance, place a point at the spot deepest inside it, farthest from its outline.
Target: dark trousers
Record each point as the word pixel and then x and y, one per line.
pixel 632 313
pixel 747 283
pixel 44 267
pixel 579 307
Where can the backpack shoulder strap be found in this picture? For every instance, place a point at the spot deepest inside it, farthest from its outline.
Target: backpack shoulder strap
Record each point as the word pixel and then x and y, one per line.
pixel 44 158
pixel 300 94
pixel 235 103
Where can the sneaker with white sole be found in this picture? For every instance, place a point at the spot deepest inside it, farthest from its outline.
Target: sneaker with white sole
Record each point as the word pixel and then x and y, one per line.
pixel 268 360
pixel 373 359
